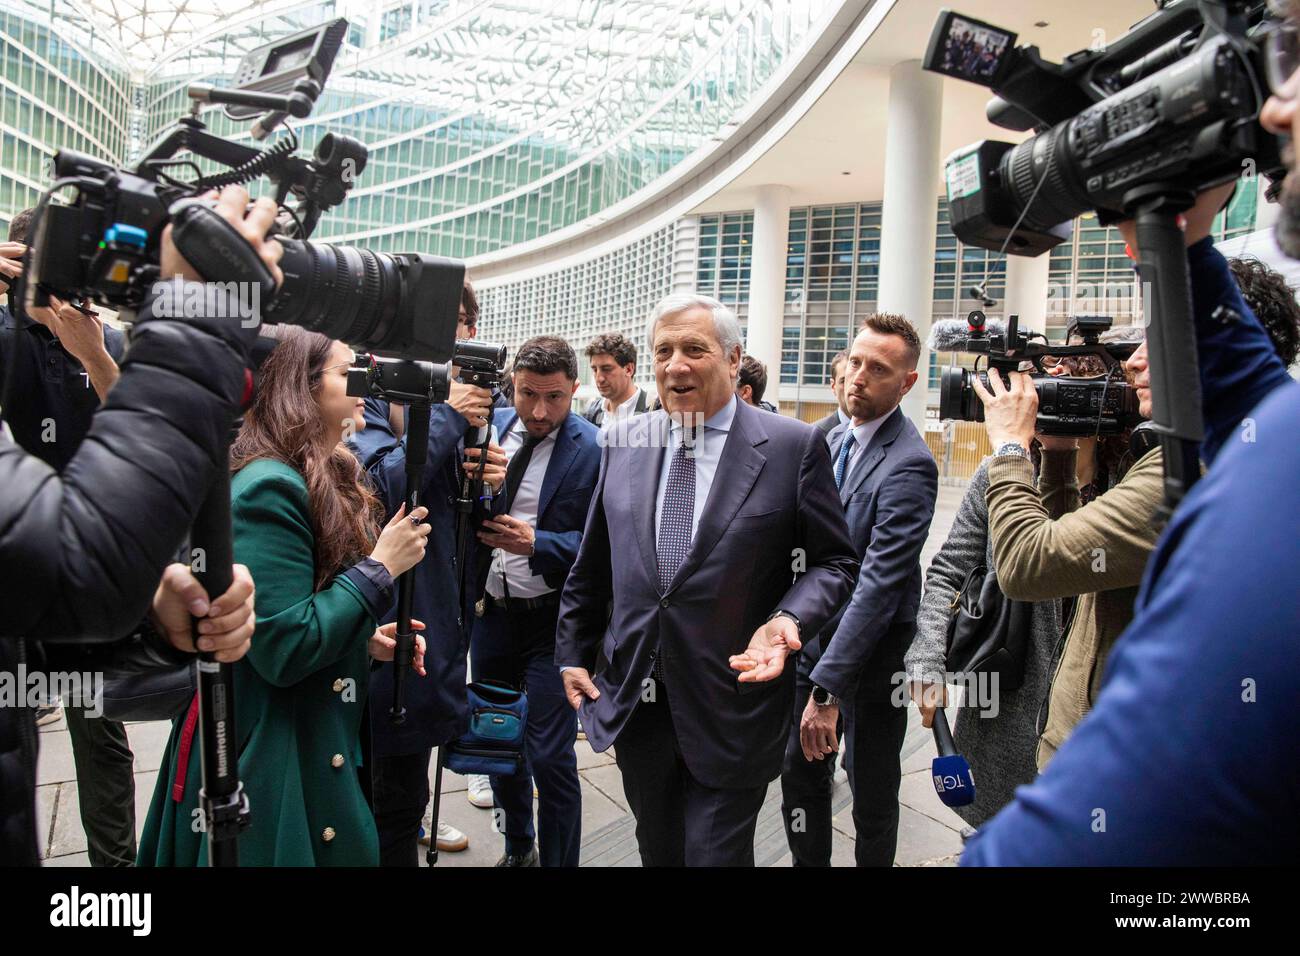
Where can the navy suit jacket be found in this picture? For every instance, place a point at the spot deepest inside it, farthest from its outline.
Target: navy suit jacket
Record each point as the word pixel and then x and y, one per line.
pixel 565 496
pixel 772 510
pixel 435 704
pixel 888 499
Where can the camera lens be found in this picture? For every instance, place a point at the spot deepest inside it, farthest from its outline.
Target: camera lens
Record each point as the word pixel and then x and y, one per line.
pixel 957 398
pixel 343 292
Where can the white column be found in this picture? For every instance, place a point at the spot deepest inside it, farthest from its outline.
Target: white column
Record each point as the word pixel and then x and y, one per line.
pixel 1026 292
pixel 908 219
pixel 767 282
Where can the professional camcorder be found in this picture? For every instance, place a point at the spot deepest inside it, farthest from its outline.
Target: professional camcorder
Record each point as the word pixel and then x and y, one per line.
pixel 1173 103
pixel 411 383
pixel 1072 405
pixel 105 244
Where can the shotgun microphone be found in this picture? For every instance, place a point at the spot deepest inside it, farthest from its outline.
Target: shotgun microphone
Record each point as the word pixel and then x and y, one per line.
pixel 952 776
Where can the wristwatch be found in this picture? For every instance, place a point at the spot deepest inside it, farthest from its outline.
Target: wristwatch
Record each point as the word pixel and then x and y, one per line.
pixel 824 698
pixel 1008 448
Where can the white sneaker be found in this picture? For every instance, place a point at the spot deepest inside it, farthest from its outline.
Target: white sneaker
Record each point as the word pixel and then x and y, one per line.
pixel 450 840
pixel 480 791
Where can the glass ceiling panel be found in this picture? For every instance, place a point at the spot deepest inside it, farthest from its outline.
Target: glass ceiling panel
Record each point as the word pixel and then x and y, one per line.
pixel 489 122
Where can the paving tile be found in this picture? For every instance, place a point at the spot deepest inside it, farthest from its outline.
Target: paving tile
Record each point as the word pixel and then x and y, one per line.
pixel 69 859
pixel 921 759
pixel 148 743
pixel 598 810
pixel 917 792
pixel 46 798
pixel 589 758
pixel 67 836
pixel 923 841
pixel 54 763
pixel 609 780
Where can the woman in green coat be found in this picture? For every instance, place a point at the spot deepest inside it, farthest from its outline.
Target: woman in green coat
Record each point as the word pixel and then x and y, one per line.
pixel 308 529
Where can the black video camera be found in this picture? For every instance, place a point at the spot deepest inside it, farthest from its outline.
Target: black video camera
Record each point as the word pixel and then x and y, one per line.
pixel 480 363
pixel 105 244
pixel 414 382
pixel 1067 405
pixel 1173 103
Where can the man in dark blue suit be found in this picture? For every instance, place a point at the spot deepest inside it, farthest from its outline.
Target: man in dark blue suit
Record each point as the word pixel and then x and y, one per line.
pixel 888 482
pixel 716 532
pixel 533 537
pixel 435 704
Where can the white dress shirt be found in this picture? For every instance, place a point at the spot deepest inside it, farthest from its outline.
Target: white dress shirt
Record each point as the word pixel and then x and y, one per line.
pixel 610 419
pixel 707 452
pixel 513 568
pixel 862 435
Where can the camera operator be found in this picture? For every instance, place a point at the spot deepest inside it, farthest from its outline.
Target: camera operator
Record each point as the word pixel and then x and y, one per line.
pixel 63 360
pixel 75 565
pixel 1188 756
pixel 1095 552
pixel 435 703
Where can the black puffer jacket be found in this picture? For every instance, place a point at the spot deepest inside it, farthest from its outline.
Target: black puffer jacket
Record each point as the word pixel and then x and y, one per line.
pixel 81 551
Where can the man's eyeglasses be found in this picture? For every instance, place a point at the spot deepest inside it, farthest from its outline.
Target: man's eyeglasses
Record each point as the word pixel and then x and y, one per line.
pixel 1281 54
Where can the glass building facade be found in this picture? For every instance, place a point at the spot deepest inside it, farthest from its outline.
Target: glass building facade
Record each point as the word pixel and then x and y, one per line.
pixel 832 277
pixel 62 85
pixel 489 122
pixel 492 123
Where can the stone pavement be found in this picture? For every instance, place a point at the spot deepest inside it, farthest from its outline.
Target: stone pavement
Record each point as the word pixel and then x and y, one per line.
pixel 928 831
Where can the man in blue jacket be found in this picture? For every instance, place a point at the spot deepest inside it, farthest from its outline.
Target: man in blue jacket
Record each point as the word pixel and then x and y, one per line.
pixel 533 534
pixel 888 483
pixel 1188 757
pixel 435 704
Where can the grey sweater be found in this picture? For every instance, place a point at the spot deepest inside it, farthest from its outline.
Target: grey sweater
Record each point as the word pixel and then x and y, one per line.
pixel 999 736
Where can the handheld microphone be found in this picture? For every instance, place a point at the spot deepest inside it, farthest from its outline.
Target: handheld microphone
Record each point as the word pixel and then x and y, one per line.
pixel 950 335
pixel 953 781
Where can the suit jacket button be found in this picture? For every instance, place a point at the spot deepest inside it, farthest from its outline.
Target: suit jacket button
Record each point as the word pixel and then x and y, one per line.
pixel 338 685
pixel 665 602
pixel 327 834
pixel 336 761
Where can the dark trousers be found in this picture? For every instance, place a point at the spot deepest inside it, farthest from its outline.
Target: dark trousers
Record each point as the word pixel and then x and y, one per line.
pixel 517 647
pixel 806 785
pixel 400 790
pixel 873 732
pixel 105 787
pixel 680 821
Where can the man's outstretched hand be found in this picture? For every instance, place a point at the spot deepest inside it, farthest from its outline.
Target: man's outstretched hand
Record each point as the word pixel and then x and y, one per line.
pixel 764 658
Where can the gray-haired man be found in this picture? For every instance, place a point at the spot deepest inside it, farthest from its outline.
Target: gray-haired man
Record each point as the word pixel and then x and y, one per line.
pixel 717 533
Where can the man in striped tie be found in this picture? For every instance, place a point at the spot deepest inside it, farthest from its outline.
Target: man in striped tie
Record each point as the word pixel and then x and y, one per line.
pixel 717 534
pixel 888 483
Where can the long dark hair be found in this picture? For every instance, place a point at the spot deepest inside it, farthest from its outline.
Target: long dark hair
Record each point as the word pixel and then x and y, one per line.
pixel 284 423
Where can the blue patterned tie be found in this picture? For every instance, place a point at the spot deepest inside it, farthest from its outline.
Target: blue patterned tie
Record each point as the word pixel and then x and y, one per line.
pixel 675 520
pixel 842 462
pixel 678 513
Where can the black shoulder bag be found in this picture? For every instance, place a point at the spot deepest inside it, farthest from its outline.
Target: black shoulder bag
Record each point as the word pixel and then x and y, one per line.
pixel 988 633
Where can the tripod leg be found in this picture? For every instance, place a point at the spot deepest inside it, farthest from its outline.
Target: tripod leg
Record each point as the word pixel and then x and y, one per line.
pixel 431 855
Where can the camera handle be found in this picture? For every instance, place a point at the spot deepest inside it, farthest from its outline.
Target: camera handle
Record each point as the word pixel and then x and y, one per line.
pixel 1171 335
pixel 417 456
pixel 222 796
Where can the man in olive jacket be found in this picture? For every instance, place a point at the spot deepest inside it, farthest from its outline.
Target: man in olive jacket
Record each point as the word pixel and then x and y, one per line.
pixel 1096 552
